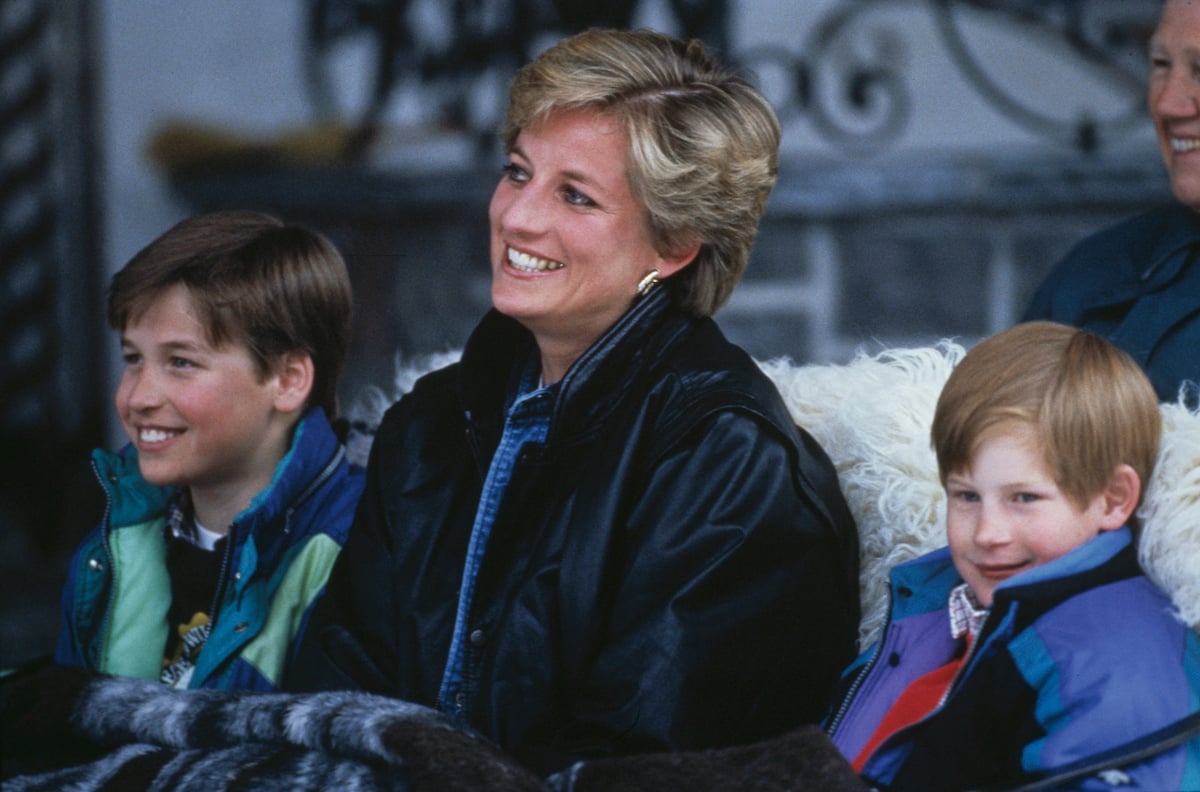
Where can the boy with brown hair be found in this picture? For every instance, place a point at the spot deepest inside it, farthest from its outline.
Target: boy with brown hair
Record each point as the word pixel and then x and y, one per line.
pixel 226 510
pixel 1033 642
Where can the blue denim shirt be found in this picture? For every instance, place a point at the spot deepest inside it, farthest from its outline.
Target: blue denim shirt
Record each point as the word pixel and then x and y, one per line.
pixel 527 422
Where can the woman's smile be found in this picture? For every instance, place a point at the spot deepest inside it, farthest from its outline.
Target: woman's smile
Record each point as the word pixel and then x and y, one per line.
pixel 527 262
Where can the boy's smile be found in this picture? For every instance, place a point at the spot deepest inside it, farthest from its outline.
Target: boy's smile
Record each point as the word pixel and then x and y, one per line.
pixel 1006 514
pixel 200 416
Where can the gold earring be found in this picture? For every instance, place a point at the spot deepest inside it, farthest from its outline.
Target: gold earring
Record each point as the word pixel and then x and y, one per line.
pixel 647 283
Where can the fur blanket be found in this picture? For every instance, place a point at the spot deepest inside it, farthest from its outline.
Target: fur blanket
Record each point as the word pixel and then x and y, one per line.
pixel 128 734
pixel 65 729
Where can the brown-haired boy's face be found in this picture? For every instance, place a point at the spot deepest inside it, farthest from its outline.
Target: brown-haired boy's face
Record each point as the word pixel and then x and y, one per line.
pixel 200 416
pixel 1006 514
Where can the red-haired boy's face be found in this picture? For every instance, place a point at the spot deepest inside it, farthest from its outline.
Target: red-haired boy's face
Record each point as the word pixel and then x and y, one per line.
pixel 1006 514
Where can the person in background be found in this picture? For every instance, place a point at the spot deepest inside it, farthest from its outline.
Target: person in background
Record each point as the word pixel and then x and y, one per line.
pixel 1033 641
pixel 600 532
pixel 234 496
pixel 1138 283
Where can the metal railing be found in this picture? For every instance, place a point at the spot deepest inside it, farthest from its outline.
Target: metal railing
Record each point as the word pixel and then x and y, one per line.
pixel 846 78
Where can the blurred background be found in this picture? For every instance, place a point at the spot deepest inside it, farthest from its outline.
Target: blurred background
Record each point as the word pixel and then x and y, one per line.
pixel 939 156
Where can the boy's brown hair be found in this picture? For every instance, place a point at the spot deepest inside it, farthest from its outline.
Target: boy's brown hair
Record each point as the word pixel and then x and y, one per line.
pixel 254 280
pixel 1089 404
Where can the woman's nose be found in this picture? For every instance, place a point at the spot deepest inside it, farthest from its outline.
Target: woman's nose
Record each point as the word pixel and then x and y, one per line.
pixel 523 210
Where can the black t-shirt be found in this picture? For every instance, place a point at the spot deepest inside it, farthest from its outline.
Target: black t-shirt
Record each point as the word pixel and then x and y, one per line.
pixel 193 570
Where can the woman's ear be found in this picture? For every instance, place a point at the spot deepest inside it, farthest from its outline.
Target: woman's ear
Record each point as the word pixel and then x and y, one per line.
pixel 671 262
pixel 294 374
pixel 1120 497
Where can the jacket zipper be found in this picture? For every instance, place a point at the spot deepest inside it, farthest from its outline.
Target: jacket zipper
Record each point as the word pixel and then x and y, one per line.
pixel 863 673
pixel 473 445
pixel 106 530
pixel 218 595
pixel 231 536
pixel 961 673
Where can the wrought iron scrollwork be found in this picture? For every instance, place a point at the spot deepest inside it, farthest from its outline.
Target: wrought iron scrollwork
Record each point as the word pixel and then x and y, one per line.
pixel 847 78
pixel 468 39
pixel 1110 37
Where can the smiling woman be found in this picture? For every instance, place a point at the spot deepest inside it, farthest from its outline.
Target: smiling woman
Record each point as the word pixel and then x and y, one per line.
pixel 568 236
pixel 601 532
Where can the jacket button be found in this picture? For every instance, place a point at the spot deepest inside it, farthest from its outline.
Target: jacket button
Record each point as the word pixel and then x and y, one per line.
pixel 95 564
pixel 904 591
pixel 478 638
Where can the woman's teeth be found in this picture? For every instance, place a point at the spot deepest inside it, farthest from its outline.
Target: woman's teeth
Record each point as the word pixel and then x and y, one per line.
pixel 528 263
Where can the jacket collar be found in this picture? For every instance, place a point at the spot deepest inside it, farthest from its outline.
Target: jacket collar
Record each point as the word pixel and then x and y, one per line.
pixel 314 451
pixel 499 347
pixel 1181 230
pixel 927 581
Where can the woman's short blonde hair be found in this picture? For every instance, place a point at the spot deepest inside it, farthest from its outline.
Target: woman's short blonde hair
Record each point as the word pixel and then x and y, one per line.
pixel 704 143
pixel 1088 403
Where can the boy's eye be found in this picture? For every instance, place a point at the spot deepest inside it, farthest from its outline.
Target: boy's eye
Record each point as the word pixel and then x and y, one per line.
pixel 966 496
pixel 131 358
pixel 1026 497
pixel 181 363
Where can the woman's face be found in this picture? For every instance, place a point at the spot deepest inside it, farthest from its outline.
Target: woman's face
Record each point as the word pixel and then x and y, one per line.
pixel 569 241
pixel 1174 96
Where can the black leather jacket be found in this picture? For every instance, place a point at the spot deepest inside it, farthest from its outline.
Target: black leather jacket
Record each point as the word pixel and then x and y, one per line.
pixel 674 569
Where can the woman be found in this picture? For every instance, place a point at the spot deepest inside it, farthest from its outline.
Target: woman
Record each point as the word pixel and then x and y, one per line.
pixel 600 532
pixel 1138 283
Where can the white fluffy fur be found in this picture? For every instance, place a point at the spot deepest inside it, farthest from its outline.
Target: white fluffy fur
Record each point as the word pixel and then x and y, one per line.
pixel 873 417
pixel 1170 542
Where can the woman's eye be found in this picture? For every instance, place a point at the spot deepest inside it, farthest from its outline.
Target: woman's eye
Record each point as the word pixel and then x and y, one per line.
pixel 181 363
pixel 576 198
pixel 515 173
pixel 131 358
pixel 1026 497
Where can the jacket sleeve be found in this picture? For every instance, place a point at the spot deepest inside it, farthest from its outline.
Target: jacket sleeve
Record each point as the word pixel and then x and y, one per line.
pixel 339 649
pixel 731 611
pixel 1108 673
